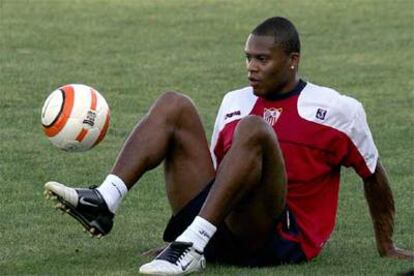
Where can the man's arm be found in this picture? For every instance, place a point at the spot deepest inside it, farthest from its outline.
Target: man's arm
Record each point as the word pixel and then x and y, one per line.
pixel 381 206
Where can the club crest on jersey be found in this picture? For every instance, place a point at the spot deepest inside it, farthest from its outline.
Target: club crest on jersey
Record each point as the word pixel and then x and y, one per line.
pixel 271 115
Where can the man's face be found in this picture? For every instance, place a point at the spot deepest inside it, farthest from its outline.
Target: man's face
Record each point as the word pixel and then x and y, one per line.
pixel 269 68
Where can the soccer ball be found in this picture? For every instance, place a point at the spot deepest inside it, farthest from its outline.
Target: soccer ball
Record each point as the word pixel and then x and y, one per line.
pixel 75 117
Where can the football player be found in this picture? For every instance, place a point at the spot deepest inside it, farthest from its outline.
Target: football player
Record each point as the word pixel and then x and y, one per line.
pixel 268 193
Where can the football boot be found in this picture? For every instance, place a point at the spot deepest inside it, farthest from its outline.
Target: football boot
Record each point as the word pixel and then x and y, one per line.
pixel 85 205
pixel 179 258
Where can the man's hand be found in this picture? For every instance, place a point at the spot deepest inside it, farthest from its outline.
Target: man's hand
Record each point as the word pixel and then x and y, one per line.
pixel 381 206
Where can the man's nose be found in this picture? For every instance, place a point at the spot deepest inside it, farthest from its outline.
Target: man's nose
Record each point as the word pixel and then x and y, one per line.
pixel 251 65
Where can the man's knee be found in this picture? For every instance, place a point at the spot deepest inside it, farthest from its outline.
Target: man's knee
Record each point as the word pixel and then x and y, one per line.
pixel 255 129
pixel 175 100
pixel 170 107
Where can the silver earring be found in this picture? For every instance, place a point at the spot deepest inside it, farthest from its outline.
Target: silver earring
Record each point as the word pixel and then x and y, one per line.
pixel 292 67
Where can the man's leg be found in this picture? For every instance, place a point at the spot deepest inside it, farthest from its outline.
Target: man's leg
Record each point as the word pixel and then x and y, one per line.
pixel 170 131
pixel 250 187
pixel 248 194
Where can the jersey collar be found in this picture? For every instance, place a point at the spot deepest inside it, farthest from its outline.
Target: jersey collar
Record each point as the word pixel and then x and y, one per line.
pixel 295 91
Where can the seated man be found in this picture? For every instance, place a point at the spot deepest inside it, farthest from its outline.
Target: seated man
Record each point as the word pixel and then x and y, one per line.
pixel 269 192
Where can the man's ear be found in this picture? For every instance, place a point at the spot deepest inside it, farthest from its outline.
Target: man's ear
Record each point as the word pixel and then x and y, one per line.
pixel 294 59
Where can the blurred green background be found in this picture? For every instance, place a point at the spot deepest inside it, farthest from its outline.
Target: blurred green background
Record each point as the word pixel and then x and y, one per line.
pixel 131 51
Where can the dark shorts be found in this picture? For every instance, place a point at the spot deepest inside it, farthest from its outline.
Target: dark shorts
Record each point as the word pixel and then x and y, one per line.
pixel 225 247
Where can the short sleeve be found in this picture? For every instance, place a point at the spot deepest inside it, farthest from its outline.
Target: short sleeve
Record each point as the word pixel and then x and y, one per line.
pixel 362 145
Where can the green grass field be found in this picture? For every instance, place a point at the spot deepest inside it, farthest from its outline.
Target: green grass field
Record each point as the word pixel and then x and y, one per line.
pixel 131 51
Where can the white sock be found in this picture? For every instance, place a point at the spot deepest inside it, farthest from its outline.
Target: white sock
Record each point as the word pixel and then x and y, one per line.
pixel 199 233
pixel 113 189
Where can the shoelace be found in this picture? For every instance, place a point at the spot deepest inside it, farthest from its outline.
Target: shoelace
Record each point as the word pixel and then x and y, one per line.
pixel 175 252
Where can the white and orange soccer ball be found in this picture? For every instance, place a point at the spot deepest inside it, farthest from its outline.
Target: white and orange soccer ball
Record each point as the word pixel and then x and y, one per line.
pixel 75 117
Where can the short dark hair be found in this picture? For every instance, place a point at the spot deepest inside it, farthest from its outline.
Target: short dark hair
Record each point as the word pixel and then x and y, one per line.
pixel 282 30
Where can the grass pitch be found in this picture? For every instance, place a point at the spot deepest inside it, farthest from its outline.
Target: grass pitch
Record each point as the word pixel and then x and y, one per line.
pixel 131 51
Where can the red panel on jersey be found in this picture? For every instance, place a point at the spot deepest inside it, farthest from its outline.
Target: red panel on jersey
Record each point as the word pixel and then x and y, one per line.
pixel 313 156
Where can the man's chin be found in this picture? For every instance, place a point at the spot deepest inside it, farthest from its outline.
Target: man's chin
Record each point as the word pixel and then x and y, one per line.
pixel 258 92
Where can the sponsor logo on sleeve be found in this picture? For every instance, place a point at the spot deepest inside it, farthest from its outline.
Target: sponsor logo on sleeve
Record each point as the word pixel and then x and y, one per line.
pixel 231 114
pixel 321 114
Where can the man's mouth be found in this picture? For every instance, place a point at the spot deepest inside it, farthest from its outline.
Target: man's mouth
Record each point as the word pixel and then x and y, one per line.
pixel 253 82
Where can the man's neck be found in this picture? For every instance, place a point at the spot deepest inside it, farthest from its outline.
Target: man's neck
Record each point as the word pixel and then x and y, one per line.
pixel 284 90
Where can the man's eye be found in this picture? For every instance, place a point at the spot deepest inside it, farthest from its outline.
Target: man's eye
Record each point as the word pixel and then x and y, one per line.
pixel 262 59
pixel 248 58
